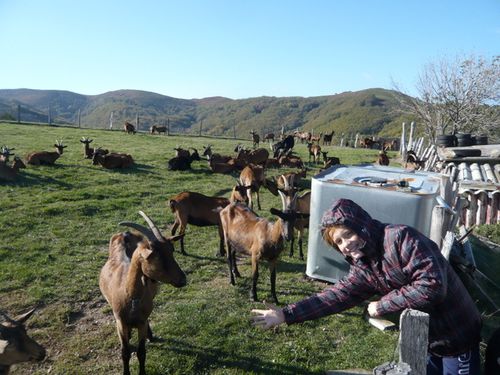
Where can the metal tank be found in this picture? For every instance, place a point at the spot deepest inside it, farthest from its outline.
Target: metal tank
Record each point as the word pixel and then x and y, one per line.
pixel 388 194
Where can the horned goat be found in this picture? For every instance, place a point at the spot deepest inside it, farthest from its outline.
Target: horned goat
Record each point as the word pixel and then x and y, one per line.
pixel 46 157
pixel 329 161
pixel 247 233
pixel 15 344
pixel 129 282
pixel 5 153
pixel 88 152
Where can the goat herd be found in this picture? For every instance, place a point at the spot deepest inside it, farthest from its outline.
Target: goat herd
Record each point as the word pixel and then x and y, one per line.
pixel 138 261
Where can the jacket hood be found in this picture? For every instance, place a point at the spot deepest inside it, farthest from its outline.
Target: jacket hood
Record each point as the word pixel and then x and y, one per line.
pixel 350 214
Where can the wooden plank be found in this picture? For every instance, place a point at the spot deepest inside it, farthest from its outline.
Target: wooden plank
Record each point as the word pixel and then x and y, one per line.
pixel 413 340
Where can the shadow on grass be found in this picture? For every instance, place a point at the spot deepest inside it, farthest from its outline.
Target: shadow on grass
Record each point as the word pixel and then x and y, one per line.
pixel 28 179
pixel 210 358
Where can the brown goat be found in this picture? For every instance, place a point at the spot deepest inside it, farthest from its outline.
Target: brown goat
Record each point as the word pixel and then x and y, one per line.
pixel 329 161
pixel 252 177
pixel 258 156
pixel 314 151
pixel 129 128
pixel 220 167
pixel 113 160
pixel 247 233
pixel 9 173
pixel 46 157
pixel 88 152
pixel 15 344
pixel 269 137
pixel 217 158
pixel 197 209
pixel 383 159
pixel 291 161
pixel 129 282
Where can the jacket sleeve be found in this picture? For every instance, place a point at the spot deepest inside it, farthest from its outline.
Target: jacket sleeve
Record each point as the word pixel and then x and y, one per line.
pixel 425 268
pixel 346 293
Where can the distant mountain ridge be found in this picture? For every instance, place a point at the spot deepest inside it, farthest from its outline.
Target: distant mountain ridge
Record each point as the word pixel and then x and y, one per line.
pixel 371 111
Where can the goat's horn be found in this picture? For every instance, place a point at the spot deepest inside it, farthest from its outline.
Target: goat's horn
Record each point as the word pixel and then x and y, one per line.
pixel 285 182
pixel 283 201
pixel 153 226
pixel 140 228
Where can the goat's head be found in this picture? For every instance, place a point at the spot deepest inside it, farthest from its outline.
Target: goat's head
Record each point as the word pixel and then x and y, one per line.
pixel 86 140
pixel 157 254
pixel 15 344
pixel 59 146
pixel 239 193
pixel 97 156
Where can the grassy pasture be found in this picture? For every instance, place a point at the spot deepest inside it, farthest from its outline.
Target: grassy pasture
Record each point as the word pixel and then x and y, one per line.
pixel 55 225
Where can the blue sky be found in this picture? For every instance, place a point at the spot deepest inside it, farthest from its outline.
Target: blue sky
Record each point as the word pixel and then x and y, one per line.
pixel 236 48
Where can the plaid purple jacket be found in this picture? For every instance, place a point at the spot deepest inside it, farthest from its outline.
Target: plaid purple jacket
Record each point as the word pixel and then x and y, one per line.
pixel 407 269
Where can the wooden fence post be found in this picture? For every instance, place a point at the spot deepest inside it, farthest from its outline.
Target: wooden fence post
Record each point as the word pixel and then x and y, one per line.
pixel 413 340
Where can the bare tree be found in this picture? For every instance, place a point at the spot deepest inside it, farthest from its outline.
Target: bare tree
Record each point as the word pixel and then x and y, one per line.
pixel 457 96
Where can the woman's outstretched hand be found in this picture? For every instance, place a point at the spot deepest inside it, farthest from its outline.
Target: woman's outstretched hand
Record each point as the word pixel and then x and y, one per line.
pixel 269 318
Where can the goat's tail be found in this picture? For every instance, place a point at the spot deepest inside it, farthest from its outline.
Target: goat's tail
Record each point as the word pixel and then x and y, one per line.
pixel 172 203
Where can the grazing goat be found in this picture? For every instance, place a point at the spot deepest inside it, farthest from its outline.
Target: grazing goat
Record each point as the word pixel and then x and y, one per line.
pixel 88 152
pixel 255 139
pixel 158 129
pixel 113 160
pixel 197 209
pixel 282 147
pixel 252 177
pixel 383 159
pixel 46 157
pixel 329 161
pixel 9 173
pixel 314 151
pixel 129 282
pixel 15 344
pixel 327 138
pixel 247 233
pixel 129 128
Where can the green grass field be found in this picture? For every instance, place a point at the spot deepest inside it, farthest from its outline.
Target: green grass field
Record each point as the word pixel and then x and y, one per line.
pixel 55 225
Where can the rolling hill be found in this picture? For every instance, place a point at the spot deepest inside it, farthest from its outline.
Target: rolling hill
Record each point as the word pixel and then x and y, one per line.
pixel 371 111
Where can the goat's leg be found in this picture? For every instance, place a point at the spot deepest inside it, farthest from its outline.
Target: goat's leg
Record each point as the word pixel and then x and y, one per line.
pixel 230 257
pixel 124 334
pixel 301 254
pixel 141 348
pixel 222 252
pixel 291 245
pixel 150 333
pixel 255 276
pixel 272 269
pixel 258 199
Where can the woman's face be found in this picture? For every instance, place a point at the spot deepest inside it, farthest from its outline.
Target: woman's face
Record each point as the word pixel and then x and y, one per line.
pixel 348 242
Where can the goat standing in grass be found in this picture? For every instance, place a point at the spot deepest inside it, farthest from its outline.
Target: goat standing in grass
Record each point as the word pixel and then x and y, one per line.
pixel 252 177
pixel 46 157
pixel 197 209
pixel 247 233
pixel 129 282
pixel 15 344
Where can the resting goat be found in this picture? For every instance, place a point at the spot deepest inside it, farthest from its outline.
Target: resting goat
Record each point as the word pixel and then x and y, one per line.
pixel 329 161
pixel 383 159
pixel 46 157
pixel 113 160
pixel 9 173
pixel 129 282
pixel 5 153
pixel 88 152
pixel 247 233
pixel 15 344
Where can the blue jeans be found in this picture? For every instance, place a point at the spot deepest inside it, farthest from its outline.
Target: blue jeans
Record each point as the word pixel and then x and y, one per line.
pixel 468 363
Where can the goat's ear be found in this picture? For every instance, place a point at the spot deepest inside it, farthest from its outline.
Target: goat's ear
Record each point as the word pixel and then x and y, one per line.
pixel 3 346
pixel 146 253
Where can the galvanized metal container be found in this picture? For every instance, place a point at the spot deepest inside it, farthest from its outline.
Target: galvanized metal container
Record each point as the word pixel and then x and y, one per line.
pixel 388 194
